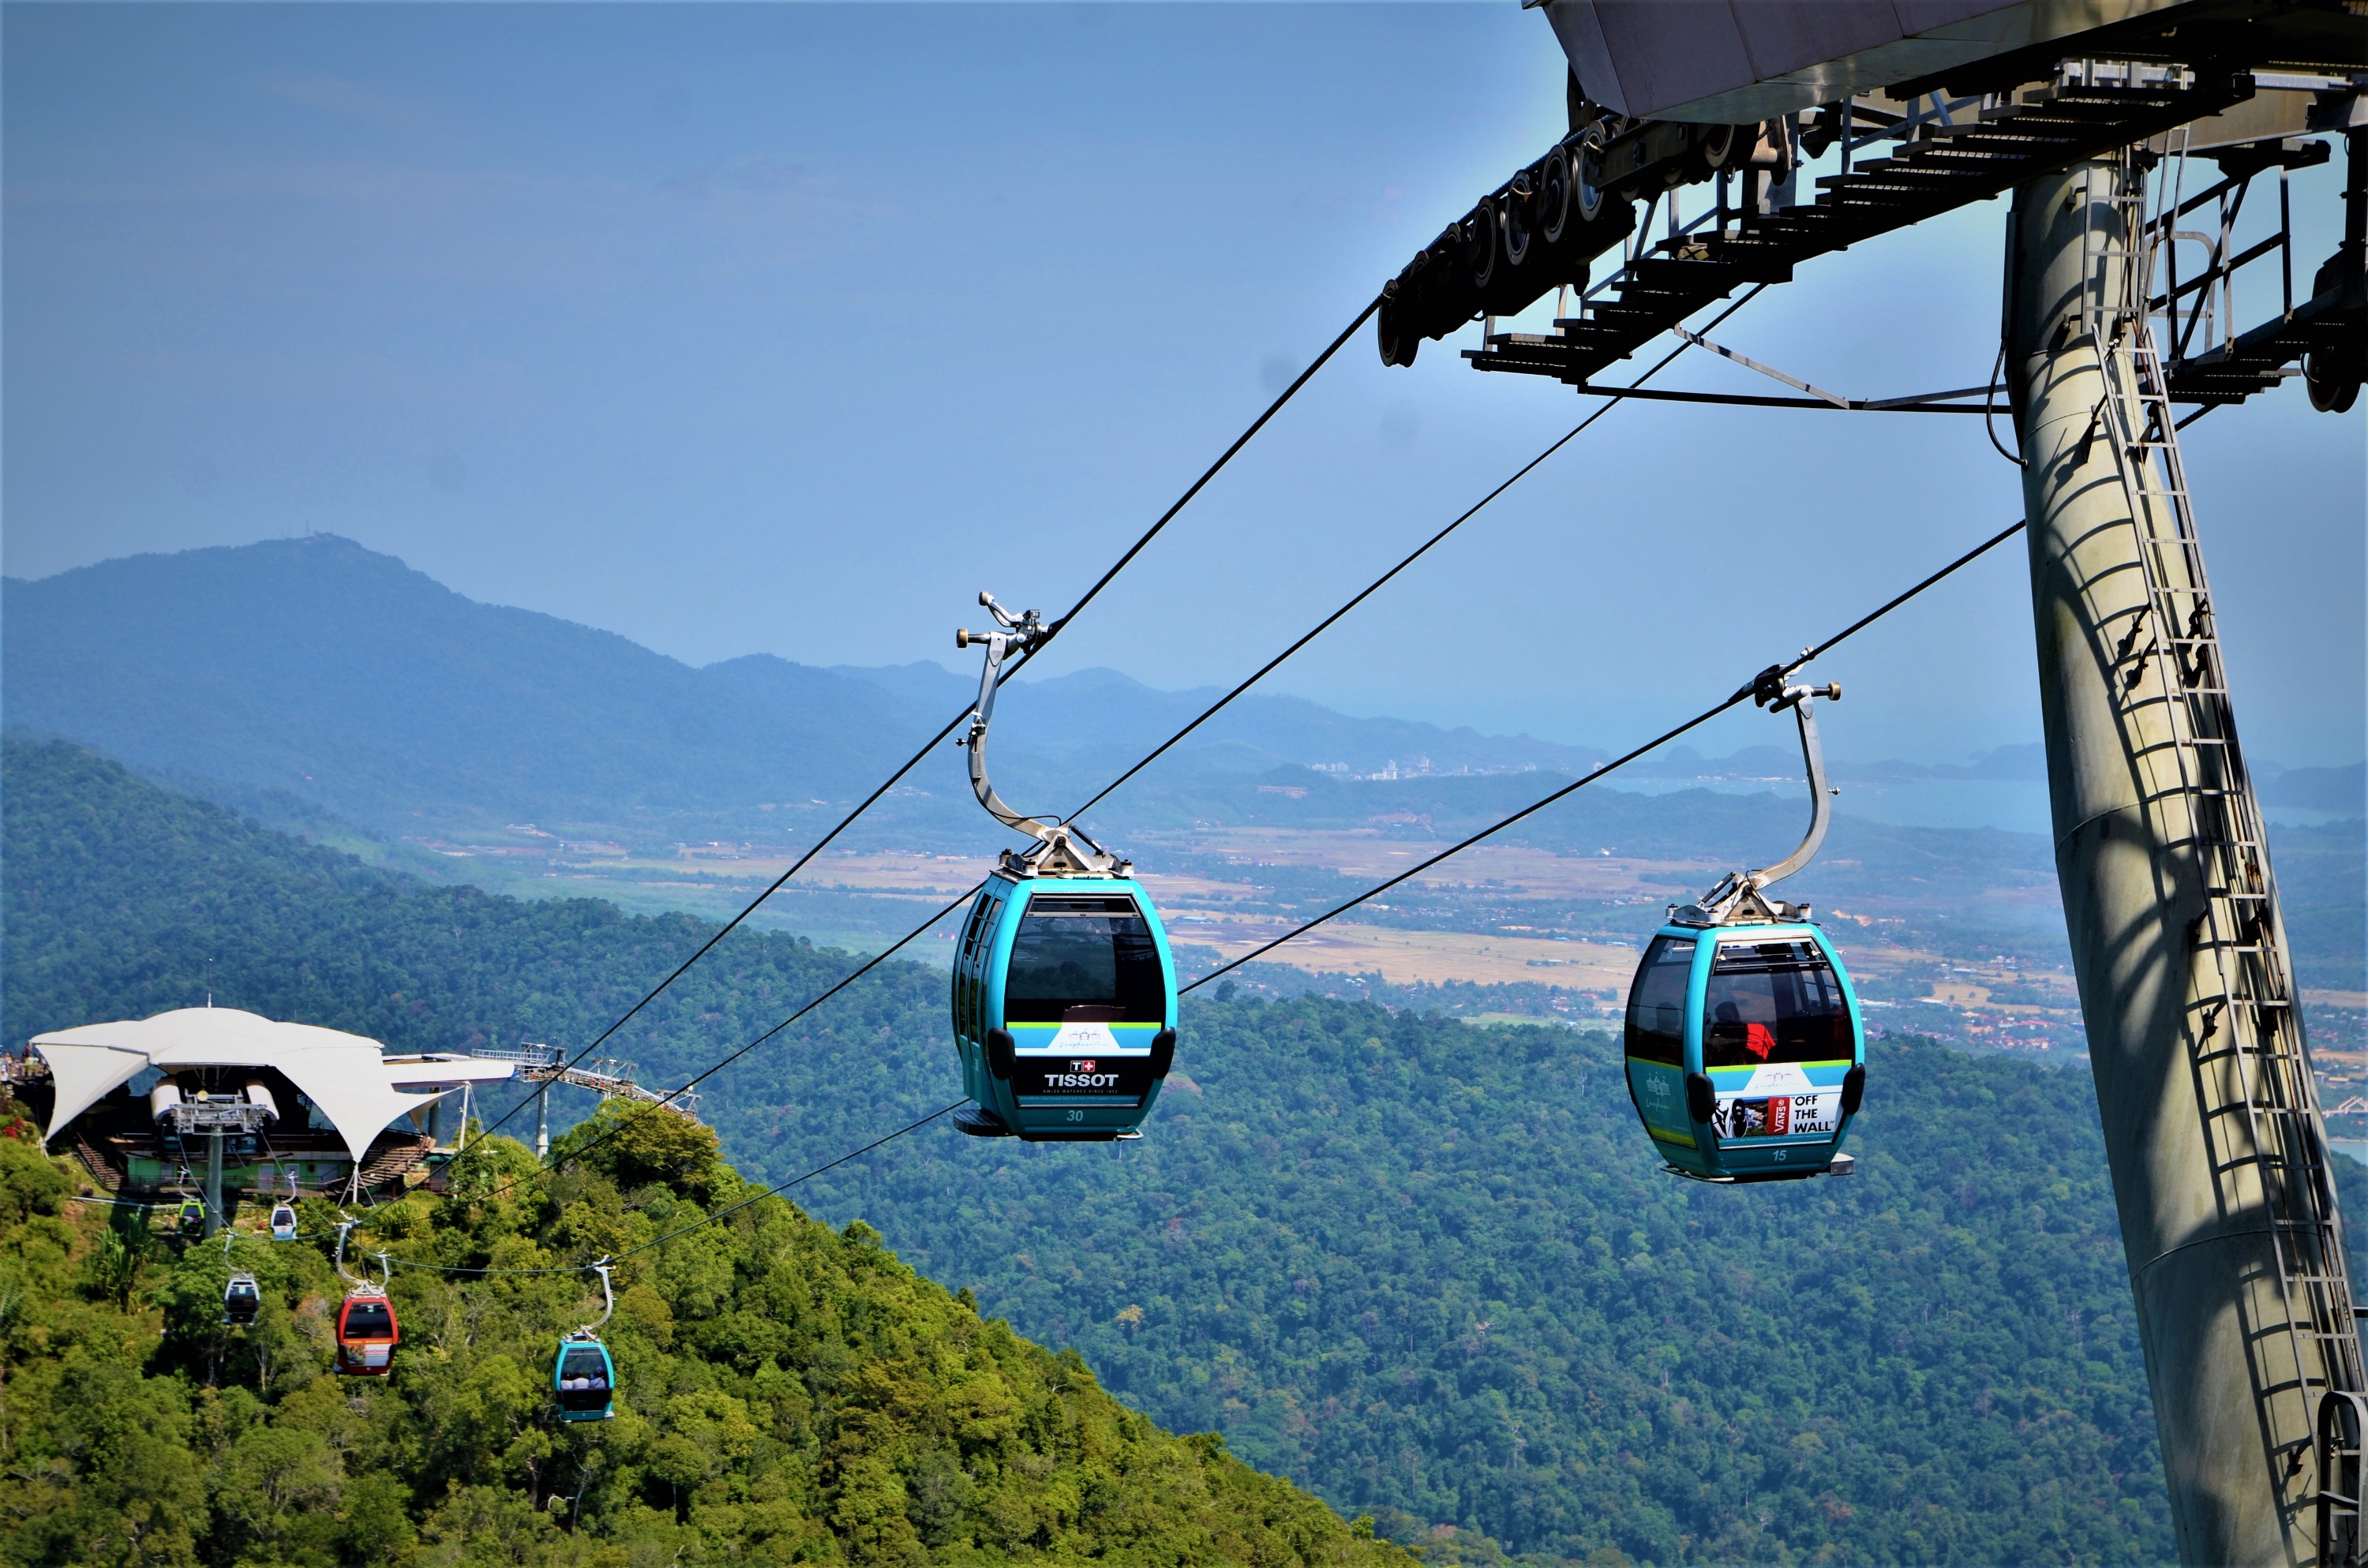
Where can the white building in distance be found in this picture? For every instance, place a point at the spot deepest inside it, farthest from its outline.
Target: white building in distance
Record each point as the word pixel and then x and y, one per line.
pixel 261 1105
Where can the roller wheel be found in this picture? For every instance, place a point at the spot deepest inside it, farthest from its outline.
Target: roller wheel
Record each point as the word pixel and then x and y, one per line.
pixel 1397 344
pixel 2332 380
pixel 1555 202
pixel 1587 175
pixel 1480 245
pixel 1514 219
pixel 1715 150
pixel 2332 373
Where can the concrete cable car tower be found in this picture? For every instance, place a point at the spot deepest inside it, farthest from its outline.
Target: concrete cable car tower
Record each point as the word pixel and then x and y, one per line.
pixel 2096 120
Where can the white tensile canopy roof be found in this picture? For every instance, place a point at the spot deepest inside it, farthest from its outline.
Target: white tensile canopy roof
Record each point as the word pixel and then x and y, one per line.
pixel 345 1076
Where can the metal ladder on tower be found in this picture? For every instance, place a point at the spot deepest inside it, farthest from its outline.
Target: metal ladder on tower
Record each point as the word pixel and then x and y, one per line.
pixel 2244 1025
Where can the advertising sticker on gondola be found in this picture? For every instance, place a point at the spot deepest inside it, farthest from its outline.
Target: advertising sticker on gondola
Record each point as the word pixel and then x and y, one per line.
pixel 1778 1116
pixel 1035 1076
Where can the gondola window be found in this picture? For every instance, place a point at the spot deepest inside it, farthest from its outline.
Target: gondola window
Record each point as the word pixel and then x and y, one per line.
pixel 1083 952
pixel 368 1320
pixel 1773 1002
pixel 1656 1004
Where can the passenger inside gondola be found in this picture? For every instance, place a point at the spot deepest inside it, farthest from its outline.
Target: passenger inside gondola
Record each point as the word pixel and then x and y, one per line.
pixel 584 1379
pixel 1774 1002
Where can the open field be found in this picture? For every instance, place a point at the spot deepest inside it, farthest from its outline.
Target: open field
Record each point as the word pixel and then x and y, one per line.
pixel 1567 926
pixel 1433 957
pixel 1374 853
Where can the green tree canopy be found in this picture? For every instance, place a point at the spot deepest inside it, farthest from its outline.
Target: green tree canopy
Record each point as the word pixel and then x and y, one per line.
pixel 789 1393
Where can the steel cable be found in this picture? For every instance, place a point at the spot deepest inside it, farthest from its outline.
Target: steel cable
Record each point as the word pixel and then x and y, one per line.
pixel 1418 553
pixel 1052 631
pixel 874 962
pixel 697 1224
pixel 1742 693
pixel 1705 717
pixel 1213 709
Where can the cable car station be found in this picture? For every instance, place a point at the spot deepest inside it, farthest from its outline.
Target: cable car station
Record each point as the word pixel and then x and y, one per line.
pixel 209 1102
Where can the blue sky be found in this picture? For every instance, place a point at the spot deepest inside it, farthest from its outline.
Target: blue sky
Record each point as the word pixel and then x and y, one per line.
pixel 786 328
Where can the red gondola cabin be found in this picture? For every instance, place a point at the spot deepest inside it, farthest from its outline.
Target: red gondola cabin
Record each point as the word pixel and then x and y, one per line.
pixel 367 1334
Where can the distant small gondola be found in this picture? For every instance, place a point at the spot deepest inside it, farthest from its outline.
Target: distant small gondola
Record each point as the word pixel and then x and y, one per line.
pixel 1064 987
pixel 283 1222
pixel 1745 1050
pixel 583 1373
pixel 242 1302
pixel 189 1218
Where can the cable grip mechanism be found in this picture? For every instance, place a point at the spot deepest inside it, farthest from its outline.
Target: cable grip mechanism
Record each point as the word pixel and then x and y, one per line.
pixel 1061 849
pixel 1737 896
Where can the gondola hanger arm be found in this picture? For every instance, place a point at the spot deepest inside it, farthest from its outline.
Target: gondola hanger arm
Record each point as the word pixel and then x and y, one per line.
pixel 345 1222
pixel 607 1301
pixel 1063 849
pixel 1018 633
pixel 1738 892
pixel 1813 757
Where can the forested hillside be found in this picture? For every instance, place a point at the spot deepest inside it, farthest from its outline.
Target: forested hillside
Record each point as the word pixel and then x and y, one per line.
pixel 1409 1263
pixel 786 1394
pixel 1412 1263
pixel 121 900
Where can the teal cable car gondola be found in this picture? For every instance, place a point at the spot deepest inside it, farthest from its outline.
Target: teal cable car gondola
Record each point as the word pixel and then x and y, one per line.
pixel 1064 987
pixel 586 1379
pixel 1064 1007
pixel 1745 1050
pixel 583 1373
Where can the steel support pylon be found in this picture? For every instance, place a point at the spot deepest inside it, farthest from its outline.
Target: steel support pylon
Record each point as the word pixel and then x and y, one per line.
pixel 2210 1113
pixel 213 1181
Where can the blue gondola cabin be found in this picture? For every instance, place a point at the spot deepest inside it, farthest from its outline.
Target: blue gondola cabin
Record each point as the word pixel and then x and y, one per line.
pixel 1064 1007
pixel 1745 1055
pixel 585 1378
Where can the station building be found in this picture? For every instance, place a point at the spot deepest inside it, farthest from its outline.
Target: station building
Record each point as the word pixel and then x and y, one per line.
pixel 218 1100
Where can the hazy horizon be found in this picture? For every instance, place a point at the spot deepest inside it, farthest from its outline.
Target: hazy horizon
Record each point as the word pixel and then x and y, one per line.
pixel 786 329
pixel 2016 803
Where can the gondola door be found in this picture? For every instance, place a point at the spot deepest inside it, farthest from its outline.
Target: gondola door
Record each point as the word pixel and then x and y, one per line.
pixel 973 958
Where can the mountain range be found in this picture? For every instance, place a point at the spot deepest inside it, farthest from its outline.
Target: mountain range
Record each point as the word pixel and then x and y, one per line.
pixel 343 680
pixel 347 680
